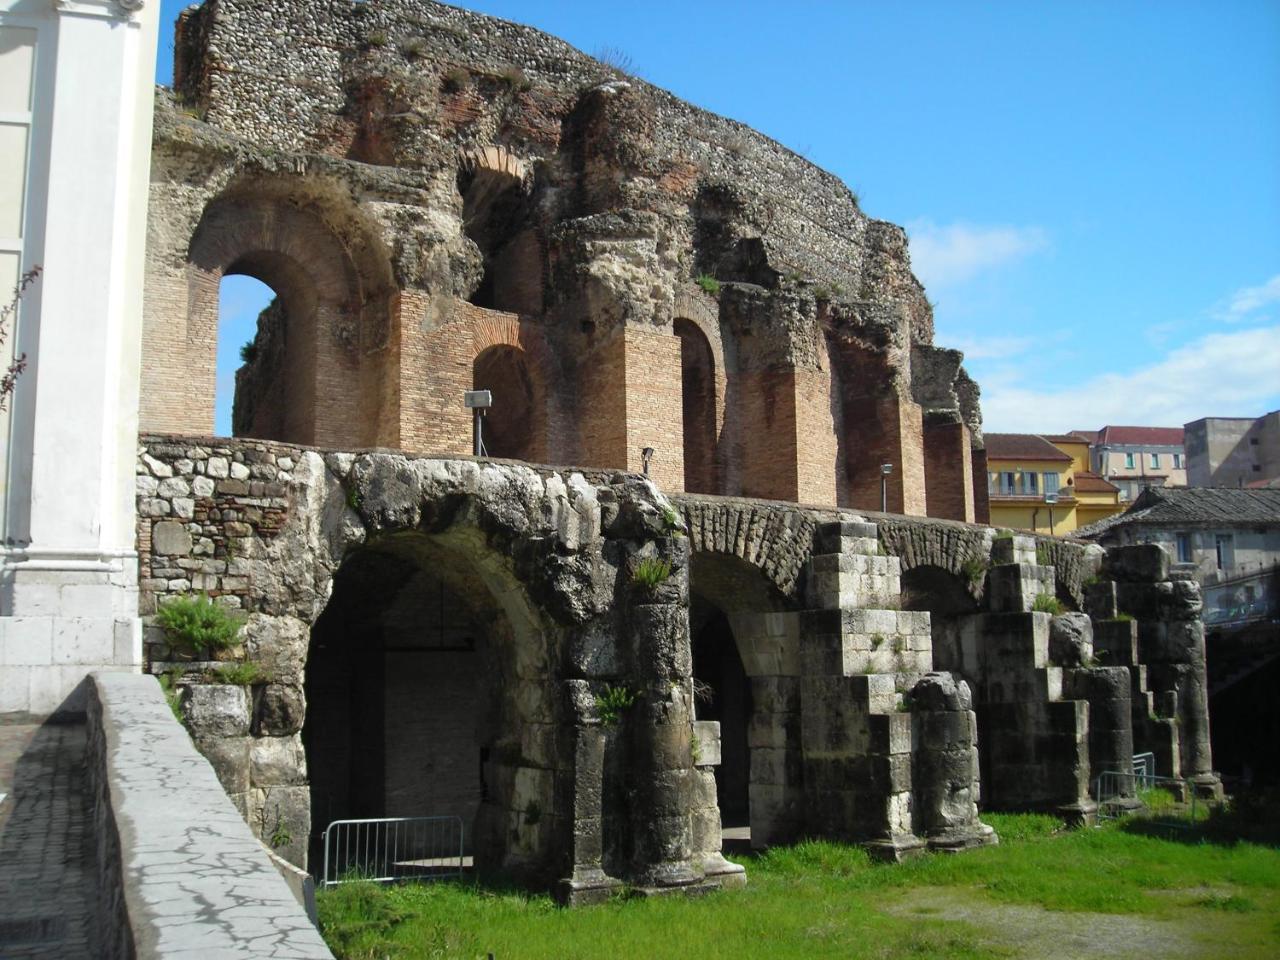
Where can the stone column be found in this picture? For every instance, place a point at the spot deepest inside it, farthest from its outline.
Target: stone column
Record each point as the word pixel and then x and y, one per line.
pixel 579 783
pixel 1171 645
pixel 855 735
pixel 948 469
pixel 945 778
pixel 1035 743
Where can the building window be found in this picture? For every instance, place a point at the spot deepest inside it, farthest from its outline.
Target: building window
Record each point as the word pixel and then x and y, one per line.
pixel 1155 460
pixel 1030 483
pixel 1184 547
pixel 1225 550
pixel 1004 483
pixel 1177 461
pixel 1051 483
pixel 1129 461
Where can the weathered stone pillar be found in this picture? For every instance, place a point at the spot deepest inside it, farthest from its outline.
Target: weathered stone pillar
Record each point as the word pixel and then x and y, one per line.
pixel 945 776
pixel 1170 645
pixel 1034 743
pixel 855 735
pixel 579 813
pixel 948 469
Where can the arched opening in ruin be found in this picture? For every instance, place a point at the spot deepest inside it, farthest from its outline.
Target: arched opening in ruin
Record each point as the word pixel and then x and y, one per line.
pixel 869 425
pixel 246 306
pixel 426 674
pixel 510 429
pixel 314 365
pixel 497 217
pixel 698 408
pixel 745 645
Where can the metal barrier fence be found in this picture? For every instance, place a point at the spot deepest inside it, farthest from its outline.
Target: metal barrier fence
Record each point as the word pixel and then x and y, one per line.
pixel 1144 767
pixel 392 848
pixel 1161 801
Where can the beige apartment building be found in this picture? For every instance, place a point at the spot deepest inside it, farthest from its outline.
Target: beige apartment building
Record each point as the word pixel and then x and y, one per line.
pixel 1234 451
pixel 1137 458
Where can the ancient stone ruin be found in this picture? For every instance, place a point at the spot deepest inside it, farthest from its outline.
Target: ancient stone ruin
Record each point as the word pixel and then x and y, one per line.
pixel 598 671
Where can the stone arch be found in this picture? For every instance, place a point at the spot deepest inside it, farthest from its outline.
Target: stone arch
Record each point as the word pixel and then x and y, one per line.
pixel 427 674
pixel 775 538
pixel 949 600
pixel 319 372
pixel 495 187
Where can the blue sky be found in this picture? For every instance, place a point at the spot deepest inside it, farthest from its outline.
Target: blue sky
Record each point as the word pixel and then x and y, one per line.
pixel 1092 189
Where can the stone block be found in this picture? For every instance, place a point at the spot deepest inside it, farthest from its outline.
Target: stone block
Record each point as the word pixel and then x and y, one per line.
pixel 277 761
pixel 26 641
pixel 1017 549
pixel 215 710
pixel 706 733
pixel 281 817
pixel 1100 600
pixel 170 538
pixel 1116 642
pixel 1071 639
pixel 84 641
pixel 229 757
pixel 1136 563
pixel 1013 588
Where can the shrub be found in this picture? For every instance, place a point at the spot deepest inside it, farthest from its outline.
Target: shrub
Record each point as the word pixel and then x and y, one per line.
pixel 975 570
pixel 377 39
pixel 651 572
pixel 515 79
pixel 613 702
pixel 1046 603
pixel 248 352
pixel 238 674
pixel 193 623
pixel 617 60
pixel 708 283
pixel 414 47
pixel 455 78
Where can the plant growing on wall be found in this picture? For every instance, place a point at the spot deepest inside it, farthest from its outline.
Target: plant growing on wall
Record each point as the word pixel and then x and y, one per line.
pixel 1046 603
pixel 708 283
pixel 194 623
pixel 613 702
pixel 7 313
pixel 651 572
pixel 975 570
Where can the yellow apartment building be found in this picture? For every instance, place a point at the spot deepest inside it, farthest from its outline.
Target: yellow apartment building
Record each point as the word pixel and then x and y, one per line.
pixel 1043 484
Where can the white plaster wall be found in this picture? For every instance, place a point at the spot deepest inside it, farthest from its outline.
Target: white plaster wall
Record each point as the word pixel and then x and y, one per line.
pixel 68 598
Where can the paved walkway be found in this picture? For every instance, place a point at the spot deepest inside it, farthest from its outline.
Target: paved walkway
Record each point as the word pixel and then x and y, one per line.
pixel 46 857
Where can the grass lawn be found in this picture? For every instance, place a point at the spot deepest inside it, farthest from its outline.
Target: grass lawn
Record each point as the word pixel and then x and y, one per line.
pixel 1043 892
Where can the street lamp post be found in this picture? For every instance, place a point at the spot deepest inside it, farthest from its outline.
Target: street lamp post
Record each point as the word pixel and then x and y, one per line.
pixel 1050 499
pixel 885 470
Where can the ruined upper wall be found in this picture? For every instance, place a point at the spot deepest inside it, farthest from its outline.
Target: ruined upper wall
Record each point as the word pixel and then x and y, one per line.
pixel 409 83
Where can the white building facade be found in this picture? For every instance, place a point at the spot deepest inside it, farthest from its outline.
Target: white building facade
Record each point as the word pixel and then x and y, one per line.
pixel 76 93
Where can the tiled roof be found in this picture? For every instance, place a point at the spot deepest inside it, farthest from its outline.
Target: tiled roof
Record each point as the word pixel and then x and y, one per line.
pixel 1087 482
pixel 1021 446
pixel 1089 435
pixel 1141 436
pixel 1217 506
pixel 1063 438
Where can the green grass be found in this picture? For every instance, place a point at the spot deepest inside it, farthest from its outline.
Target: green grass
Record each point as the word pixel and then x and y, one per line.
pixel 820 899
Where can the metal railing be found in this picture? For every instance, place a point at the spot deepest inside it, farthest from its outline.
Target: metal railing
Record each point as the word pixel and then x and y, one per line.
pixel 1161 801
pixel 391 849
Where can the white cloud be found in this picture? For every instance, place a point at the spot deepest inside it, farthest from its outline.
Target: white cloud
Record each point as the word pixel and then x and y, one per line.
pixel 1222 374
pixel 946 255
pixel 1248 300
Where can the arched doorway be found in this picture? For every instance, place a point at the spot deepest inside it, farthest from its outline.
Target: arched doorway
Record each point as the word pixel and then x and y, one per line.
pixel 745 645
pixel 510 427
pixel 698 408
pixel 420 691
pixel 246 311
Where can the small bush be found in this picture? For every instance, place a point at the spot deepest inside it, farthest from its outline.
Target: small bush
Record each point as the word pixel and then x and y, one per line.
pixel 671 521
pixel 377 39
pixel 414 48
pixel 248 352
pixel 515 79
pixel 237 674
pixel 613 703
pixel 975 570
pixel 193 623
pixel 708 283
pixel 651 572
pixel 1046 603
pixel 455 78
pixel 877 639
pixel 1043 556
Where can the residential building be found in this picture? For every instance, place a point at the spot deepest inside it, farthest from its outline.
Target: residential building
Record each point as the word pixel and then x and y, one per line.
pixel 1136 458
pixel 76 101
pixel 1234 451
pixel 1021 469
pixel 1095 497
pixel 1226 532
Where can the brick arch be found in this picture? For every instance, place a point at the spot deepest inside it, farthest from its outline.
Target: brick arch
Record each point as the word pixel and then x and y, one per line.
pixel 492 331
pixel 321 374
pixel 947 546
pixel 775 538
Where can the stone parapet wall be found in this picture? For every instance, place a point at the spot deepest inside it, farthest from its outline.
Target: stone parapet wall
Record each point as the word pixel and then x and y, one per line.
pixel 180 873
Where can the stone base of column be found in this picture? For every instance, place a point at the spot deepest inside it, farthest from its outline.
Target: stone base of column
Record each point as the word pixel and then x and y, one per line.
pixel 895 849
pixel 586 887
pixel 1207 786
pixel 724 873
pixel 1083 813
pixel 983 836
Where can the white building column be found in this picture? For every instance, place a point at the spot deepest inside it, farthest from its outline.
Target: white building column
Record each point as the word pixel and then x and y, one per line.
pixel 68 569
